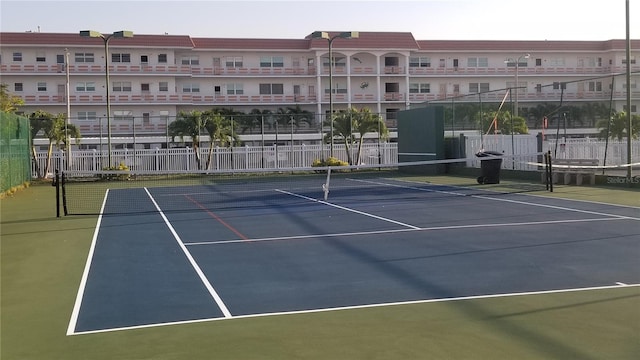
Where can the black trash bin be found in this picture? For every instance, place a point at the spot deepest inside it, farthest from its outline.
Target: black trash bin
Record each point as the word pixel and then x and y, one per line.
pixel 490 167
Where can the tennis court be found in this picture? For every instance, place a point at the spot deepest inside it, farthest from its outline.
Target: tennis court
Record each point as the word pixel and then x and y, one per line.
pixel 222 249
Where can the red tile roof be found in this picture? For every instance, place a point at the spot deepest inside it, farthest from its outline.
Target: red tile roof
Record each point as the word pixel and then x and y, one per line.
pixel 56 39
pixel 370 40
pixel 365 41
pixel 251 44
pixel 523 46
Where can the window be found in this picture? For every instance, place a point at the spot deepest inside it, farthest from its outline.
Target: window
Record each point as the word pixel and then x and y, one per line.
pixel 17 87
pixel 162 58
pixel 480 62
pixel 190 60
pixel 41 57
pixel 272 61
pixel 122 86
pixel 164 116
pixel 87 116
pixel 419 88
pixel 235 89
pixel 144 59
pixel 17 56
pixel 191 88
pixel 163 86
pixel 475 88
pixel 123 115
pixel 556 62
pixel 145 87
pixel 85 86
pixel 558 85
pixel 42 86
pixel 633 61
pixel 271 89
pixel 234 62
pixel 84 57
pixel 419 62
pixel 595 86
pixel 121 58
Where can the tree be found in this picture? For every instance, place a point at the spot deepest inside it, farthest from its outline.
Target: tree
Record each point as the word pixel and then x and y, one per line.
pixel 360 121
pixel 55 129
pixel 293 116
pixel 9 103
pixel 618 126
pixel 189 124
pixel 366 122
pixel 220 128
pixel 503 123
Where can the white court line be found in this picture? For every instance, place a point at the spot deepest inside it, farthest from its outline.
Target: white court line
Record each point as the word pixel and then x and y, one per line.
pixel 485 197
pixel 381 232
pixel 368 306
pixel 203 278
pixel 348 209
pixel 83 282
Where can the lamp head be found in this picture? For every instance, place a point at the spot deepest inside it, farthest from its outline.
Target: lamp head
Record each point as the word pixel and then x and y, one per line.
pixel 320 35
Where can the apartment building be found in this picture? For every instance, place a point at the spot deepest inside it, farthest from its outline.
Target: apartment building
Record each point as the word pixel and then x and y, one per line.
pixel 154 77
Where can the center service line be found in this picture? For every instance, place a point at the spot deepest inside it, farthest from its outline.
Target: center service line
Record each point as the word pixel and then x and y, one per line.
pixel 197 268
pixel 347 209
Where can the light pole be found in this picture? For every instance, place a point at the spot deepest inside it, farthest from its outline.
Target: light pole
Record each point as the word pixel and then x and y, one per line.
pixel 106 38
pixel 517 62
pixel 325 35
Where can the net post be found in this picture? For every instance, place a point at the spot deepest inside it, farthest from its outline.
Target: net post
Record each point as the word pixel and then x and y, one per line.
pixel 56 183
pixel 549 166
pixel 64 195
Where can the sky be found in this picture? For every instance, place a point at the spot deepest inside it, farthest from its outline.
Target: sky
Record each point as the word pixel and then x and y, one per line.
pixel 425 19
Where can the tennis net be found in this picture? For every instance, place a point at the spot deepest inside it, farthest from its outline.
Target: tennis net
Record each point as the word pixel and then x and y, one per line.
pixel 129 192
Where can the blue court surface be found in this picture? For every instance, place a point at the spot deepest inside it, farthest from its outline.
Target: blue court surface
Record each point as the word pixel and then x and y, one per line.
pixel 272 251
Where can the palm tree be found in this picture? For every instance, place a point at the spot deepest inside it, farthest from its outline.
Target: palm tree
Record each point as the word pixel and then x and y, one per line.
pixel 360 121
pixel 189 124
pixel 220 128
pixel 366 122
pixel 56 129
pixel 9 103
pixel 257 117
pixel 616 128
pixel 294 116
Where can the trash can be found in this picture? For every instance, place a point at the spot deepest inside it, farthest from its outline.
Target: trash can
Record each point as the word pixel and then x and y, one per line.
pixel 490 167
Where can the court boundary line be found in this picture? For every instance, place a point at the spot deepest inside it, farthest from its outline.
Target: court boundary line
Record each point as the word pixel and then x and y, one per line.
pixel 618 285
pixel 212 291
pixel 487 197
pixel 75 313
pixel 394 231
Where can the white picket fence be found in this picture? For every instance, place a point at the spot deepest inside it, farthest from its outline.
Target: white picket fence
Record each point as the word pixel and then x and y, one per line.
pixel 285 156
pixel 245 157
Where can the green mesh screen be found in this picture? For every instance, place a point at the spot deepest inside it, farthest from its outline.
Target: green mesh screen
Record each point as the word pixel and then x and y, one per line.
pixel 15 161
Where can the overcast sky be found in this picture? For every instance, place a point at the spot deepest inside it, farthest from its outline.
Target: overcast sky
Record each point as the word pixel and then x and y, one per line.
pixel 425 19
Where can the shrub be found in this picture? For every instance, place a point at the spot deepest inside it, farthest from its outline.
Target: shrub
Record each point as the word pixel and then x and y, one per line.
pixel 332 161
pixel 122 167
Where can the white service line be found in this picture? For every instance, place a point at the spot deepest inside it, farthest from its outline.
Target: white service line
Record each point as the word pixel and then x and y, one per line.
pixel 348 209
pixel 203 278
pixel 394 231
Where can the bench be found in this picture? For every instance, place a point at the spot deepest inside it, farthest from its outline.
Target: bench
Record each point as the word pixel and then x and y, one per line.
pixel 570 167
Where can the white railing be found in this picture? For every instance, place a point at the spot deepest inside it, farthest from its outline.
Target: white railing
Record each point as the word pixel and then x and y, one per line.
pixel 245 157
pixel 285 156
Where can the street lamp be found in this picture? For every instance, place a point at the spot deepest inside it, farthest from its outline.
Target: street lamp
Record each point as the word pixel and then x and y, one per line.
pixel 325 35
pixel 517 62
pixel 106 38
